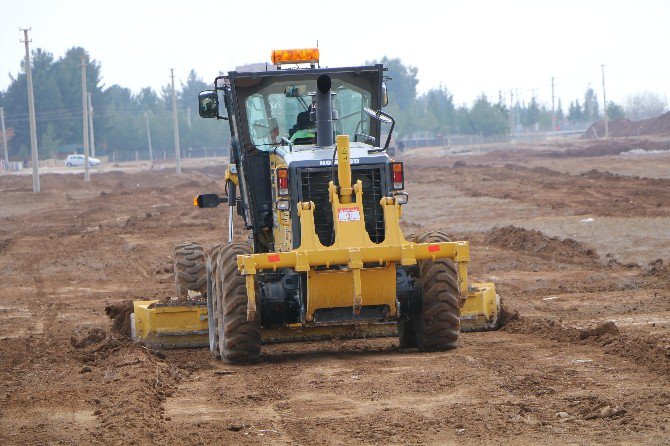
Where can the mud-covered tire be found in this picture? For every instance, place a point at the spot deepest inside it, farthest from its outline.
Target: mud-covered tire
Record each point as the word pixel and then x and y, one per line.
pixel 435 322
pixel 212 304
pixel 190 269
pixel 239 340
pixel 211 321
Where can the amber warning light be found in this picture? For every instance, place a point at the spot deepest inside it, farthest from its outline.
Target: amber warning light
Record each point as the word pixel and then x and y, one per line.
pixel 304 55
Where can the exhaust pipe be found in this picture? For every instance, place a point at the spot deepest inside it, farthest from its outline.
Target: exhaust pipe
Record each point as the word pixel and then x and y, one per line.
pixel 324 112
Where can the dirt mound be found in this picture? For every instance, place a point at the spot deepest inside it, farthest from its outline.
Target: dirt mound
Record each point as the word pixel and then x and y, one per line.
pixel 610 147
pixel 538 244
pixel 626 127
pixel 120 314
pixel 507 316
pixel 646 350
pixel 659 270
pixel 217 170
pixel 599 330
pixel 86 334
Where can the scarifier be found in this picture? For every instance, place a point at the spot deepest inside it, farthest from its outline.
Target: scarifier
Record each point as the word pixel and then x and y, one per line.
pixel 326 256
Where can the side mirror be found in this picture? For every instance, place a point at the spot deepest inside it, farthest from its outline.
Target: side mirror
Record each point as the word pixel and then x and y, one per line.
pixel 385 95
pixel 295 91
pixel 208 104
pixel 379 115
pixel 209 201
pixel 382 117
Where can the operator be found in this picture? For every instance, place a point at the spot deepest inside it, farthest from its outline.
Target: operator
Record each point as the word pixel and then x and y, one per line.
pixel 301 133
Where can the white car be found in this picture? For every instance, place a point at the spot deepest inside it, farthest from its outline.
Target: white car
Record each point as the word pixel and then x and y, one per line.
pixel 78 160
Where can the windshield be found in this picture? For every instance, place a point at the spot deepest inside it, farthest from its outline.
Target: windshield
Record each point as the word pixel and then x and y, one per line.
pixel 283 109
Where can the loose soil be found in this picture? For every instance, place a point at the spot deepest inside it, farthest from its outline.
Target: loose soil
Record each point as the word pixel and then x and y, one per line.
pixel 583 357
pixel 625 127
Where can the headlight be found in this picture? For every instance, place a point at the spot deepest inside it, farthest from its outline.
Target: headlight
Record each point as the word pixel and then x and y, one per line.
pixel 283 205
pixel 401 198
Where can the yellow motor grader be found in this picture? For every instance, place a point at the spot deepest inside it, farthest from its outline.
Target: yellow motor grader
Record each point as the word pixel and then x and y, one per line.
pixel 322 200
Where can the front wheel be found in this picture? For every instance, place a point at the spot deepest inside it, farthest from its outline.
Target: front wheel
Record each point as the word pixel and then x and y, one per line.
pixel 434 322
pixel 68 164
pixel 239 339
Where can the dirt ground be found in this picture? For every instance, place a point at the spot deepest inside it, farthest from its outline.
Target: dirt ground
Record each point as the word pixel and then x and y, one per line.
pixel 578 246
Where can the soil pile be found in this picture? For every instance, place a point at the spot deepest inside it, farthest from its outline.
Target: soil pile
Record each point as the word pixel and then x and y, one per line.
pixel 120 314
pixel 626 127
pixel 538 244
pixel 660 270
pixel 611 147
pixel 86 335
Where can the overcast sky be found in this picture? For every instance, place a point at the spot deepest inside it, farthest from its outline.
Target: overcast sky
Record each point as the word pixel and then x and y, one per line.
pixel 468 46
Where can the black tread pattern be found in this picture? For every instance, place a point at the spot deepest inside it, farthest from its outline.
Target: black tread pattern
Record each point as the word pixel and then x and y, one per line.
pixel 239 339
pixel 190 269
pixel 213 302
pixel 438 325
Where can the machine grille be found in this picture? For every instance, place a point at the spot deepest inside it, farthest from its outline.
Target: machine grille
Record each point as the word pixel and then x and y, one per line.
pixel 314 187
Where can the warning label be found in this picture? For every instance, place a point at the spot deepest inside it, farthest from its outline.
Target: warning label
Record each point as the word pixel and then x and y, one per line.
pixel 349 214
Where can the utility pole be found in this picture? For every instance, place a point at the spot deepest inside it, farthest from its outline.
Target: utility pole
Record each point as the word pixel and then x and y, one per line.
pixel 90 124
pixel 511 112
pixel 31 112
pixel 175 124
pixel 553 106
pixel 4 134
pixel 146 119
pixel 607 130
pixel 84 106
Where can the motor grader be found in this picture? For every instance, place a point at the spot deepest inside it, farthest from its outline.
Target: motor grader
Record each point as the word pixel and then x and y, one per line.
pixel 310 176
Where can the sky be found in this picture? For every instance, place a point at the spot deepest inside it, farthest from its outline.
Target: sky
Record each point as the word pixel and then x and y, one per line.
pixel 469 47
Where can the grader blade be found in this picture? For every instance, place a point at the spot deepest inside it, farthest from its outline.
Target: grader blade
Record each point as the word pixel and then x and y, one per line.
pixel 165 326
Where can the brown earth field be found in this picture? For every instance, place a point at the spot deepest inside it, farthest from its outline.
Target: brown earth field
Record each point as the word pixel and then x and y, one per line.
pixel 579 247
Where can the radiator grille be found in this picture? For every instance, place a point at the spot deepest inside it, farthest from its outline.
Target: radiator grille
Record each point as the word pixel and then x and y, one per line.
pixel 314 187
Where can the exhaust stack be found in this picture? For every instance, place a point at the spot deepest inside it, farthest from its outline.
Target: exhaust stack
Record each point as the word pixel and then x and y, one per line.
pixel 324 111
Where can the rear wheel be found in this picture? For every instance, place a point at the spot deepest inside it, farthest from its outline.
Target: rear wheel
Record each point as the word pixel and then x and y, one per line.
pixel 190 269
pixel 239 340
pixel 433 323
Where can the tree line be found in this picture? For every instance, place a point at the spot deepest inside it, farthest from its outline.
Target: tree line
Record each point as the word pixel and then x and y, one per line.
pixel 119 114
pixel 436 111
pixel 118 117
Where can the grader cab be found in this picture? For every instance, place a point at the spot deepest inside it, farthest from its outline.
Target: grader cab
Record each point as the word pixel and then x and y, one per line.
pixel 322 200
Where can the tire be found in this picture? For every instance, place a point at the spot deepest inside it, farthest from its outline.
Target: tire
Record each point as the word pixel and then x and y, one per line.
pixel 239 339
pixel 434 322
pixel 190 269
pixel 212 308
pixel 69 164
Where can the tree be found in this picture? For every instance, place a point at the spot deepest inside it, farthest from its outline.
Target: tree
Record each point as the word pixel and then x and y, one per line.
pixel 559 112
pixel 614 111
pixel 591 108
pixel 644 105
pixel 439 110
pixel 575 112
pixel 402 94
pixel 487 119
pixel 49 143
pixel 532 115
